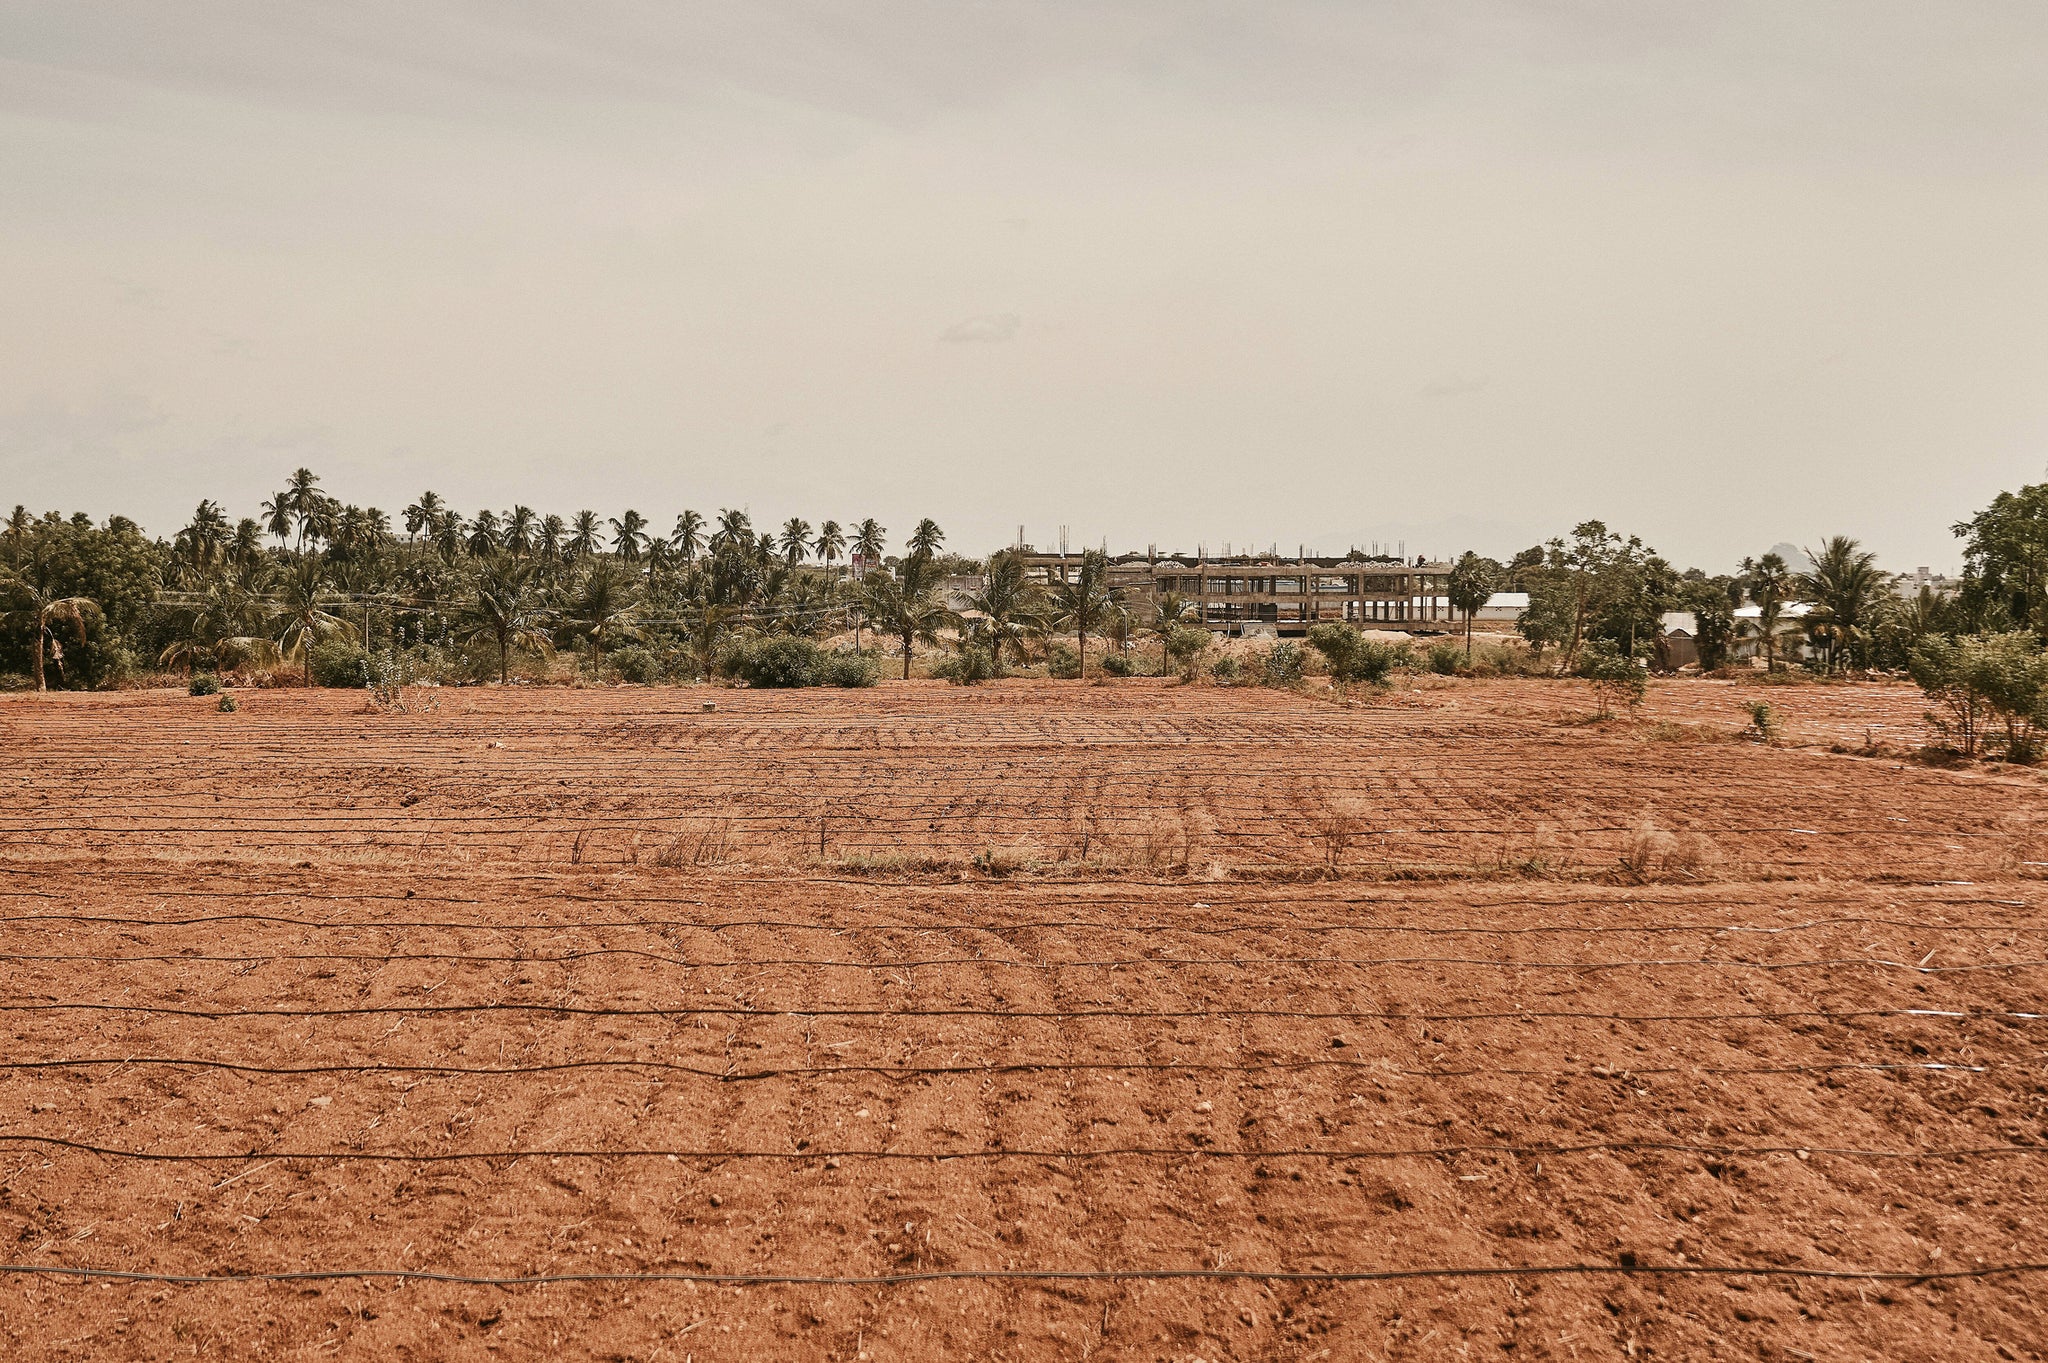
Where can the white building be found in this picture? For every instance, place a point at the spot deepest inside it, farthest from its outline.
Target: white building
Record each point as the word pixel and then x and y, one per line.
pixel 1504 606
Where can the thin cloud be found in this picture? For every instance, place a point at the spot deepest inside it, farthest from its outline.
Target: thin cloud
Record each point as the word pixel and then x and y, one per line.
pixel 991 327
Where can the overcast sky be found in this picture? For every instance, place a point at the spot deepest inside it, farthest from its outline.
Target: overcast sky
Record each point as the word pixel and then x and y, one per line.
pixel 1461 274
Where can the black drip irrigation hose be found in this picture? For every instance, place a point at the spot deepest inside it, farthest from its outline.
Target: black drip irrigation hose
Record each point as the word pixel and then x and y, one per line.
pixel 1237 962
pixel 905 1071
pixel 1015 1014
pixel 1330 1277
pixel 1105 1152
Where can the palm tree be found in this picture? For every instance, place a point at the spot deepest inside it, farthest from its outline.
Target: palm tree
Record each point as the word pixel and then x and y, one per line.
pixel 483 535
pixel 228 617
pixel 629 535
pixel 869 539
pixel 661 557
pixel 735 528
pixel 688 538
pixel 604 607
pixel 422 513
pixel 521 525
pixel 15 537
pixel 830 544
pixel 707 622
pixel 1010 603
pixel 585 537
pixel 1769 583
pixel 246 550
pixel 505 607
pixel 311 511
pixel 1844 585
pixel 1469 587
pixel 277 517
pixel 547 540
pixel 796 540
pixel 32 584
pixel 202 546
pixel 926 539
pixel 446 533
pixel 1084 604
pixel 908 604
pixel 302 616
pixel 1169 612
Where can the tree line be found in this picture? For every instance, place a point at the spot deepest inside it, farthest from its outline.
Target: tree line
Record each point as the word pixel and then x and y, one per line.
pixel 328 589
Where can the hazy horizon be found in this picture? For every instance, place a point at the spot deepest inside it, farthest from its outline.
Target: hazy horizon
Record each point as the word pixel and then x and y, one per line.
pixel 1301 273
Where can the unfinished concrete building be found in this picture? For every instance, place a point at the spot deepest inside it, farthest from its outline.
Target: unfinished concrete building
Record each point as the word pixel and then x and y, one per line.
pixel 1266 594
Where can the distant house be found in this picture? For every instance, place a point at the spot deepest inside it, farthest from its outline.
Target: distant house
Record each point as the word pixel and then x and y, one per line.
pixel 1503 606
pixel 1677 640
pixel 1792 645
pixel 1909 585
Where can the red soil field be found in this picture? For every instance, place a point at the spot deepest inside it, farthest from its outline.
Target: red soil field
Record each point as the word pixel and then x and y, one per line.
pixel 1028 1021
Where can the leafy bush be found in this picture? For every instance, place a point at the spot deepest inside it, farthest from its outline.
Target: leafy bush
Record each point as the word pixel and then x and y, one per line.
pixel 227 704
pixel 1446 660
pixel 1614 674
pixel 848 670
pixel 341 662
pixel 1118 664
pixel 1355 658
pixel 787 661
pixel 1763 721
pixel 1061 661
pixel 1505 660
pixel 1990 692
pixel 1226 669
pixel 1283 664
pixel 204 684
pixel 640 666
pixel 1184 645
pixel 783 661
pixel 969 667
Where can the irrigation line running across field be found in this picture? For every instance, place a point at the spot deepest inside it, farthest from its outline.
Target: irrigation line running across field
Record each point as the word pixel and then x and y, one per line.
pixel 1331 1277
pixel 1268 927
pixel 1009 1067
pixel 1008 1153
pixel 1360 962
pixel 1013 1014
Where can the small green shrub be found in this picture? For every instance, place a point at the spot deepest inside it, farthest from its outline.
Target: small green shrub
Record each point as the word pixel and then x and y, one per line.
pixel 1990 692
pixel 1061 661
pixel 204 684
pixel 1505 660
pixel 341 662
pixel 850 670
pixel 1763 721
pixel 1226 669
pixel 1283 664
pixel 1446 659
pixel 1353 657
pixel 971 666
pixel 783 661
pixel 1118 664
pixel 1185 645
pixel 639 666
pixel 1614 674
pixel 227 704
